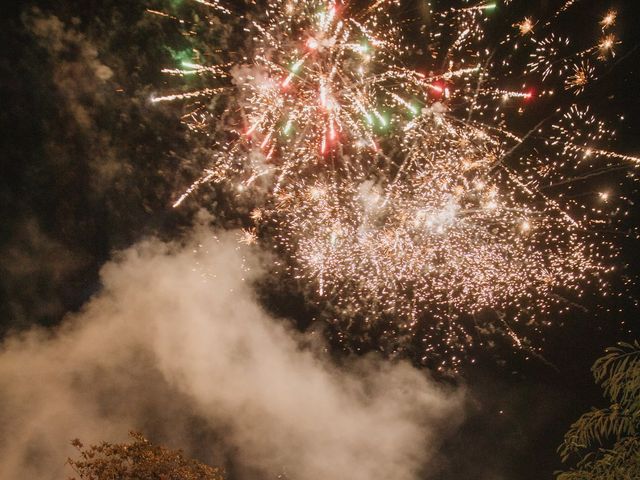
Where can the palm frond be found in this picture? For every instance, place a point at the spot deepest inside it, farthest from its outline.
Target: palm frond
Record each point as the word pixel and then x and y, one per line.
pixel 595 428
pixel 618 372
pixel 622 462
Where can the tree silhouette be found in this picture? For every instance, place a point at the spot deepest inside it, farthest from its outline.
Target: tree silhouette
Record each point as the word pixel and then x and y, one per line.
pixel 607 440
pixel 138 460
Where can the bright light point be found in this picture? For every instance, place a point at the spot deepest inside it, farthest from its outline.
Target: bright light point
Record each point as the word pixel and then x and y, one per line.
pixel 609 19
pixel 248 237
pixel 187 64
pixel 384 122
pixel 296 66
pixel 604 196
pixel 363 48
pixel 317 193
pixel 491 205
pixel 312 44
pixel 251 129
pixel 606 46
pixel 526 26
pixel 369 118
pixel 332 133
pixel 288 127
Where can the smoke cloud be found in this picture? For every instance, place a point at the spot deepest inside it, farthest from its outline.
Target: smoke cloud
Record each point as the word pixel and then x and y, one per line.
pixel 176 344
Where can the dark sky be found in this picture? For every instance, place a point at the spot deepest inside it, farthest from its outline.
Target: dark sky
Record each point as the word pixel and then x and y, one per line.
pixel 89 168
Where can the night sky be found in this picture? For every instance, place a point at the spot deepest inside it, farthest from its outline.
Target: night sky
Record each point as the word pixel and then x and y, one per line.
pixel 90 168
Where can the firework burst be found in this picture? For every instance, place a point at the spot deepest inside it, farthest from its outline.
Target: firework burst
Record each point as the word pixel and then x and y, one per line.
pixel 425 193
pixel 321 82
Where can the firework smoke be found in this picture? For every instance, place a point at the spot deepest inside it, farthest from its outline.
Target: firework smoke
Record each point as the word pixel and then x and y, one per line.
pixel 193 360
